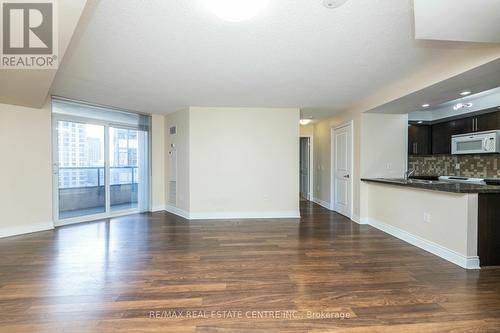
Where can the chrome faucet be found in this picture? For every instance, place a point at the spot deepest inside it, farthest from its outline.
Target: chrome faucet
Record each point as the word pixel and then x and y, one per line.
pixel 409 173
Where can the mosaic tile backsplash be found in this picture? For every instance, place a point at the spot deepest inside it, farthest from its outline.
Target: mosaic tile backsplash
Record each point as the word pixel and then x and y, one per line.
pixel 481 166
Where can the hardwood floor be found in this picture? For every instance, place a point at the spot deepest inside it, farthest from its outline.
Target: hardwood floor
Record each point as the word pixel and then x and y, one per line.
pixel 109 276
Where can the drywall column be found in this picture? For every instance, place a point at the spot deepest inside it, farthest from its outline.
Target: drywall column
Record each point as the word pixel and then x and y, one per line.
pixel 158 162
pixel 25 169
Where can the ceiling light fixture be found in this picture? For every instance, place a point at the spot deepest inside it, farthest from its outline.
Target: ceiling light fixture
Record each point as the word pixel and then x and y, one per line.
pixel 236 10
pixel 425 105
pixel 465 93
pixel 420 122
pixel 333 3
pixel 305 122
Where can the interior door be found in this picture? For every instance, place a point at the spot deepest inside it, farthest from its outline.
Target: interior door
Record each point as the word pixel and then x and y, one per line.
pixel 304 168
pixel 342 170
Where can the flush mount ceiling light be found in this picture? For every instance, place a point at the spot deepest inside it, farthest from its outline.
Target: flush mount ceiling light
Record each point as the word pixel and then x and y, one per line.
pixel 459 106
pixel 235 10
pixel 465 93
pixel 333 3
pixel 425 105
pixel 305 122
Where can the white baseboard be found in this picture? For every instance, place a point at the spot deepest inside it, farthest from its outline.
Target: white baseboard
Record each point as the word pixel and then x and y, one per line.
pixel 232 215
pixel 158 208
pixel 322 203
pixel 28 229
pixel 356 218
pixel 177 211
pixel 471 262
pixel 245 215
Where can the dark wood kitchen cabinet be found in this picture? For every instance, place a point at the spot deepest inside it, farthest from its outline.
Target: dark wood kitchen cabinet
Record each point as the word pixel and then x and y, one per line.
pixel 488 243
pixel 488 122
pixel 419 140
pixel 442 133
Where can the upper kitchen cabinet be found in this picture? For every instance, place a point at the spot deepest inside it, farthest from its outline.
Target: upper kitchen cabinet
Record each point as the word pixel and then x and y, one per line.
pixel 419 140
pixel 442 133
pixel 488 122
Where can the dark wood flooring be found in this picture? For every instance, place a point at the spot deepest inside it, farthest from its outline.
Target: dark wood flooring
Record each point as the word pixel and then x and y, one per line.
pixel 110 276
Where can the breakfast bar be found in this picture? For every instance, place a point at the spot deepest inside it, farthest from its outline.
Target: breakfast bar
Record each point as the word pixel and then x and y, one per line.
pixel 456 221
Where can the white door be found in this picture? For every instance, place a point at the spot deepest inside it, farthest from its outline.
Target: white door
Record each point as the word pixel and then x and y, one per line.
pixel 342 169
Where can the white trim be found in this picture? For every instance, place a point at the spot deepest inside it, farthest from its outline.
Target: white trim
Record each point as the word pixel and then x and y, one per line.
pixel 356 218
pixel 232 215
pixel 468 262
pixel 177 211
pixel 322 203
pixel 158 208
pixel 27 229
pixel 97 217
pixel 245 215
pixel 332 167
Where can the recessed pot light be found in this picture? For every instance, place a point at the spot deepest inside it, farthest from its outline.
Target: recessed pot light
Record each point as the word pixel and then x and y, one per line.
pixel 420 122
pixel 425 105
pixel 333 3
pixel 305 122
pixel 465 93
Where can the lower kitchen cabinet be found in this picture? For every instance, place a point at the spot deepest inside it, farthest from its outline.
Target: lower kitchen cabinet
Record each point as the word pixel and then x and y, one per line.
pixel 488 229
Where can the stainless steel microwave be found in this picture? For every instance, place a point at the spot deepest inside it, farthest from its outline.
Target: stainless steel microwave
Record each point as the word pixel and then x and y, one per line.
pixel 476 143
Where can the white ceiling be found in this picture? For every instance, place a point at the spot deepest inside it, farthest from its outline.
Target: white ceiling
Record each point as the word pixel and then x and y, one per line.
pixel 160 56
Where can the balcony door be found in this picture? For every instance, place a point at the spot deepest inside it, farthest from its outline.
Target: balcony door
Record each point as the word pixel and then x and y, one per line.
pixel 100 169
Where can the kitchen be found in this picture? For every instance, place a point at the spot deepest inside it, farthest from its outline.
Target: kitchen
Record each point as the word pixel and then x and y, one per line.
pixel 448 200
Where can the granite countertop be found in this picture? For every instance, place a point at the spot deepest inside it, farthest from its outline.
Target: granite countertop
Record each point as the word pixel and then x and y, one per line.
pixel 437 185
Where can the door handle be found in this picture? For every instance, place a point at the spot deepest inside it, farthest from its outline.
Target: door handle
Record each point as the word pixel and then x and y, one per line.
pixel 346 176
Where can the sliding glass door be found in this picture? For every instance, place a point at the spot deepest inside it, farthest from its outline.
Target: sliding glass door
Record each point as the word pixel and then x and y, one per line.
pixel 100 169
pixel 128 172
pixel 81 173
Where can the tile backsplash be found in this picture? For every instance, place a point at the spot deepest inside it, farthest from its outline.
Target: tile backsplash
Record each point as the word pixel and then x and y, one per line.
pixel 482 166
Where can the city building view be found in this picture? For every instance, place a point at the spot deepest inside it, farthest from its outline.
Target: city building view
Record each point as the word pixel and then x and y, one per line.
pixel 81 153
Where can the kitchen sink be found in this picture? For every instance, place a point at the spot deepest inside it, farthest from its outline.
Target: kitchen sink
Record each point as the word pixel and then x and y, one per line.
pixel 413 181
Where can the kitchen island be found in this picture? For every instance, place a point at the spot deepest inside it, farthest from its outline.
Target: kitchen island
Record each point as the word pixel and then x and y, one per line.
pixel 458 222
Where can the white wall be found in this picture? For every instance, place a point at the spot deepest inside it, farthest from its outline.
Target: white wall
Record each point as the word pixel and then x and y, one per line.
pixel 307 130
pixel 244 162
pixel 25 169
pixel 157 162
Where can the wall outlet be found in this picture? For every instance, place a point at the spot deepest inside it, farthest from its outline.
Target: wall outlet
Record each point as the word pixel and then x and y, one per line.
pixel 389 166
pixel 427 218
pixel 457 166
